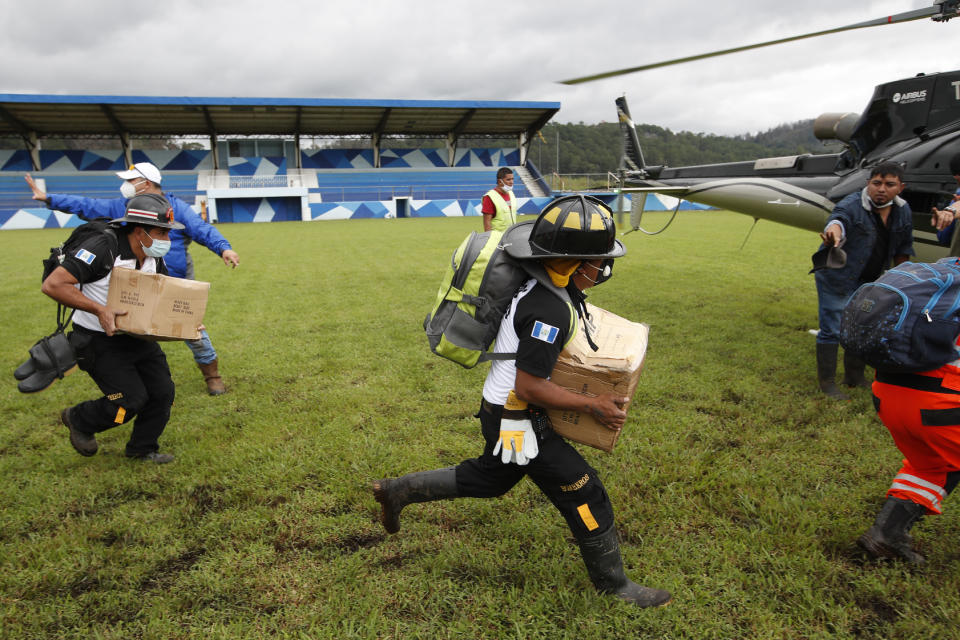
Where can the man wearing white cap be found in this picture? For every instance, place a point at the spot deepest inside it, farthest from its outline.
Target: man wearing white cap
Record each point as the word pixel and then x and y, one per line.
pixel 132 374
pixel 141 178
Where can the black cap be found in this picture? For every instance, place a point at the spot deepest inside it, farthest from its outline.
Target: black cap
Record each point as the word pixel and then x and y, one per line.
pixel 149 209
pixel 829 258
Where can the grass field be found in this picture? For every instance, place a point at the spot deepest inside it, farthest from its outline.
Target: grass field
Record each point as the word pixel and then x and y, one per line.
pixel 736 485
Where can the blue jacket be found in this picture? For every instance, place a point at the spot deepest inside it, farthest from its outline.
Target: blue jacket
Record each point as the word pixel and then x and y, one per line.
pixel 944 236
pixel 195 227
pixel 861 234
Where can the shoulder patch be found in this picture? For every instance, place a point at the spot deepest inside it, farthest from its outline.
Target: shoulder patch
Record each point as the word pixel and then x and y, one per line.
pixel 85 256
pixel 544 332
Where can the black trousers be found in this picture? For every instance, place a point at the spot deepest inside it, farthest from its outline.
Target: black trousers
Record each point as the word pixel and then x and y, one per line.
pixel 135 380
pixel 559 471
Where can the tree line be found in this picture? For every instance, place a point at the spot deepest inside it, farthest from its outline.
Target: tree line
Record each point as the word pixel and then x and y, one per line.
pixel 583 148
pixel 596 148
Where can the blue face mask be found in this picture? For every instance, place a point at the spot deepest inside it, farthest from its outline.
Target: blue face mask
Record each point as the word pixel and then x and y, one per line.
pixel 158 249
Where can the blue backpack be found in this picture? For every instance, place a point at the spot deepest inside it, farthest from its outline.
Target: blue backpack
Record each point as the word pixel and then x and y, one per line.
pixel 907 320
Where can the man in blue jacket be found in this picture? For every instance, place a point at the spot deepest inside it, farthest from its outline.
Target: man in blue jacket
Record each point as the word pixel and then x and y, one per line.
pixel 944 221
pixel 874 226
pixel 142 178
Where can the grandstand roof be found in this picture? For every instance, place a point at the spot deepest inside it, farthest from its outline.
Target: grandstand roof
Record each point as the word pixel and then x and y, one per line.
pixel 66 115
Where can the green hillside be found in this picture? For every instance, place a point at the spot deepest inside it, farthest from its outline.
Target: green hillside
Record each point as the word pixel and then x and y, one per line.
pixel 595 148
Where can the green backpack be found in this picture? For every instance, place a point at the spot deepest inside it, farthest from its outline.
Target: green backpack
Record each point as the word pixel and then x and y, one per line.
pixel 474 295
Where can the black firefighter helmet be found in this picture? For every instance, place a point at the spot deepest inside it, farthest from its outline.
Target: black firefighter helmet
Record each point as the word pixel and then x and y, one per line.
pixel 574 226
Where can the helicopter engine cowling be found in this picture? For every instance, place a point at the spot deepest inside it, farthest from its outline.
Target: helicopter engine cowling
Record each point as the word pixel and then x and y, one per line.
pixel 835 126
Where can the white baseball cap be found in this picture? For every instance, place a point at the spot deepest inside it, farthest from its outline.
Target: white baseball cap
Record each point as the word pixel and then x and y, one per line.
pixel 141 170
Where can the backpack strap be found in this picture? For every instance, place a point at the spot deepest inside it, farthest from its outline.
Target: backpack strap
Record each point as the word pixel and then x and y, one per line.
pixel 64 318
pixel 535 270
pixel 490 355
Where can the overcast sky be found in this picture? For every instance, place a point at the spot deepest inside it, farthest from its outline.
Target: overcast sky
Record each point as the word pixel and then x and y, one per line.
pixel 459 49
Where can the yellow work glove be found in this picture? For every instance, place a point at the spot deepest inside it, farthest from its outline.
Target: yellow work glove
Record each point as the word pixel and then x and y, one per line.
pixel 517 442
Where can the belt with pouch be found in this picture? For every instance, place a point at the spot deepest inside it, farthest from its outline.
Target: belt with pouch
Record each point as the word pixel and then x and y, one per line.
pixel 536 415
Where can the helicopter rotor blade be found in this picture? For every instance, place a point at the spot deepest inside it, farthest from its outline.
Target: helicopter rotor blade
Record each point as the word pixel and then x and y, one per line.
pixel 940 11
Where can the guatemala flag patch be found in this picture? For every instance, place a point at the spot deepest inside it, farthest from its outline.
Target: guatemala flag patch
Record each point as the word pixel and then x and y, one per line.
pixel 85 256
pixel 544 332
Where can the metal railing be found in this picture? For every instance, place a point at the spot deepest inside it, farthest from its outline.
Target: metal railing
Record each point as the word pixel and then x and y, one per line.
pixel 419 192
pixel 583 181
pixel 359 192
pixel 262 182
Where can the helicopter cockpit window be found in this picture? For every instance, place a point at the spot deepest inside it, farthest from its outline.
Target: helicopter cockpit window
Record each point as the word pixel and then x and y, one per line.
pixel 874 128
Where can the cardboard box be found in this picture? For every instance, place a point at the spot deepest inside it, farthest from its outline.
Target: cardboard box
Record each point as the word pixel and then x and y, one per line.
pixel 615 368
pixel 157 306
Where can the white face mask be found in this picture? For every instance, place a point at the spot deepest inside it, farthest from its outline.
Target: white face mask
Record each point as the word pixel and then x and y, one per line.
pixel 506 188
pixel 158 249
pixel 127 190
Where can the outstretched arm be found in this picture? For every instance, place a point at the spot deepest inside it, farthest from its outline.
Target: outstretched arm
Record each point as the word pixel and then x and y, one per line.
pixel 202 232
pixel 38 193
pixel 86 208
pixel 230 258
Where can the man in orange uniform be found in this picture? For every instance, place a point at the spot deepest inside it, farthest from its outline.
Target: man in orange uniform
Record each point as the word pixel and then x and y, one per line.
pixel 922 412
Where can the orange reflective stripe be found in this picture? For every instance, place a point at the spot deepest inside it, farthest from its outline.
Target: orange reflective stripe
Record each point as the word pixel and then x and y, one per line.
pixel 587 517
pixel 121 415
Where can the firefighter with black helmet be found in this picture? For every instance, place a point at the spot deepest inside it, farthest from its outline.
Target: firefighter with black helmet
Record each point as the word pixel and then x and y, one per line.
pixel 570 246
pixel 132 373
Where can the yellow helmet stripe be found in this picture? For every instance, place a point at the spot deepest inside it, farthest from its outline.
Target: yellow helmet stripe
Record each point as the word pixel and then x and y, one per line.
pixel 573 220
pixel 551 216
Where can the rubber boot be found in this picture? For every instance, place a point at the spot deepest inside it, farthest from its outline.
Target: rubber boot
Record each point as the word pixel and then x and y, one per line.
pixel 83 443
pixel 601 554
pixel 889 536
pixel 394 494
pixel 212 377
pixel 827 370
pixel 853 371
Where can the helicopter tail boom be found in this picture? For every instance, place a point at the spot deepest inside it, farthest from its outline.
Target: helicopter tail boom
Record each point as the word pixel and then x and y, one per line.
pixel 631 158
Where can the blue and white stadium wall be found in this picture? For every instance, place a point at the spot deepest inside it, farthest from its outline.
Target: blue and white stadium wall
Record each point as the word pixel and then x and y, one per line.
pixel 91 173
pixel 197 160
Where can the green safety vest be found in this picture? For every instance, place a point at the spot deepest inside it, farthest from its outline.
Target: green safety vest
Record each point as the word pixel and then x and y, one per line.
pixel 506 213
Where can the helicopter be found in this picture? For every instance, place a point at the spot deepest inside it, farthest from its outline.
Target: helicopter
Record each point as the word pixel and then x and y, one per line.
pixel 914 122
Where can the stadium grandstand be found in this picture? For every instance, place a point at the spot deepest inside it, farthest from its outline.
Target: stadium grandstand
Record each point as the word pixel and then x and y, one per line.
pixel 253 166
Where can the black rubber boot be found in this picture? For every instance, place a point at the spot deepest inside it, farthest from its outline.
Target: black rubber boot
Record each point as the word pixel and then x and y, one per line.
pixel 601 554
pixel 827 370
pixel 889 536
pixel 853 371
pixel 394 494
pixel 83 443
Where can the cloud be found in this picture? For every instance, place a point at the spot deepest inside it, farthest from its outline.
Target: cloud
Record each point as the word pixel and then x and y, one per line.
pixel 454 49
